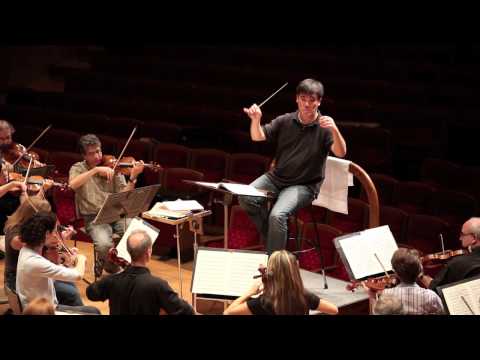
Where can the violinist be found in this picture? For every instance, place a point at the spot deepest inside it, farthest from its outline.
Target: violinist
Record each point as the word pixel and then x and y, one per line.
pixel 414 299
pixel 92 183
pixel 464 266
pixel 35 273
pixel 135 291
pixel 281 292
pixel 8 202
pixel 67 292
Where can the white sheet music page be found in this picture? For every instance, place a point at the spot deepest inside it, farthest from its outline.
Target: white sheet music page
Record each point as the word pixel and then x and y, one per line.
pixel 361 248
pixel 228 273
pixel 182 205
pixel 241 189
pixel 470 292
pixel 135 224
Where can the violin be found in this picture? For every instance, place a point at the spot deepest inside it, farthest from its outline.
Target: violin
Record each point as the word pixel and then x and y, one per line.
pixel 432 260
pixel 36 183
pixel 60 254
pixel 17 154
pixel 126 163
pixel 264 274
pixel 113 257
pixel 376 284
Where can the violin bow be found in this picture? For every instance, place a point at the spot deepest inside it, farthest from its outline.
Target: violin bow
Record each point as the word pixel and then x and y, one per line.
pixel 264 101
pixel 32 144
pixel 124 148
pixel 383 267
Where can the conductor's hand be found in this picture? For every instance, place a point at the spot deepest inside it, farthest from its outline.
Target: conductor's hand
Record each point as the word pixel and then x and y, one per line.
pixel 137 169
pixel 105 171
pixel 253 112
pixel 327 122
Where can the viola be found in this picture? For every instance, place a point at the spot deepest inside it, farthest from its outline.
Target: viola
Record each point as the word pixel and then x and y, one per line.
pixel 113 257
pixel 126 163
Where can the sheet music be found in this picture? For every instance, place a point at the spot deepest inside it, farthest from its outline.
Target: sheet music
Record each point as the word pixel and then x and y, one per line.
pixel 241 189
pixel 159 210
pixel 228 273
pixel 453 298
pixel 183 205
pixel 135 224
pixel 361 248
pixel 238 189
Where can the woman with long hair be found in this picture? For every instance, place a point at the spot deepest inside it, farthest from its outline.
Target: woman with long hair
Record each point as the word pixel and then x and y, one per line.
pixel 13 242
pixel 67 292
pixel 283 292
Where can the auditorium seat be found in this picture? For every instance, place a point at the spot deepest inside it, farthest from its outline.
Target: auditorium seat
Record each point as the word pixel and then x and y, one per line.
pixel 396 219
pixel 413 197
pixel 356 220
pixel 211 162
pixel 423 232
pixel 244 167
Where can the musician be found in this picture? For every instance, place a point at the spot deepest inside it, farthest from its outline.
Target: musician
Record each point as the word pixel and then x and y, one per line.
pixel 35 273
pixel 415 300
pixel 281 292
pixel 135 291
pixel 92 183
pixel 67 292
pixel 8 203
pixel 460 267
pixel 304 139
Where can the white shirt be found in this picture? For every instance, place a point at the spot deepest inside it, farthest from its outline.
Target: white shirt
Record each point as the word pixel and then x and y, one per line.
pixel 35 275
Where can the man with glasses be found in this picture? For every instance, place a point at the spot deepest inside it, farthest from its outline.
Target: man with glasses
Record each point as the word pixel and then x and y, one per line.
pixel 460 267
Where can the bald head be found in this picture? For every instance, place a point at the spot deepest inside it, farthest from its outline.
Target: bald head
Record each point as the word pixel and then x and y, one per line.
pixel 138 245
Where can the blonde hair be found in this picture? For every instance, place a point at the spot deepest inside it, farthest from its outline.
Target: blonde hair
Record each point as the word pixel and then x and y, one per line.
pixel 39 306
pixel 26 210
pixel 284 290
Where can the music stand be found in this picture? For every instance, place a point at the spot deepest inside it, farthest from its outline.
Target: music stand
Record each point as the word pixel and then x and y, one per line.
pixel 126 204
pixel 123 205
pixel 39 171
pixel 227 201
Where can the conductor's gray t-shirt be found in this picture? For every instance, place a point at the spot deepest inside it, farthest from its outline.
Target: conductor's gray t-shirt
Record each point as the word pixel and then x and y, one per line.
pixel 301 151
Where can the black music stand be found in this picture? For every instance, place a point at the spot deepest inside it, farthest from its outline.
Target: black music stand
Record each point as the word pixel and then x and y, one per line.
pixel 126 204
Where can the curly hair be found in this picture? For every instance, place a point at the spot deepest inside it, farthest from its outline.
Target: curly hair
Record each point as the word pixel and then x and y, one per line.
pixel 34 230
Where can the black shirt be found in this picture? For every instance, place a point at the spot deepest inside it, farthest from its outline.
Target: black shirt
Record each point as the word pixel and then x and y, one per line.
pixel 458 268
pixel 301 151
pixel 258 306
pixel 136 292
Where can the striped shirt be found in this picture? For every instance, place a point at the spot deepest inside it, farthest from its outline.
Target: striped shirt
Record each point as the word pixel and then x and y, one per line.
pixel 416 300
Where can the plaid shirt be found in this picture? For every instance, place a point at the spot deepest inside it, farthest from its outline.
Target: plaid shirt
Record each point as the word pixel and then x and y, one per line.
pixel 416 300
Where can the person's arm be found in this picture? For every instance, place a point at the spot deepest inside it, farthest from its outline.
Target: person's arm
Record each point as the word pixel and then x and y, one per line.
pixel 339 146
pixel 239 306
pixel 327 307
pixel 170 302
pixel 255 115
pixel 132 180
pixel 99 290
pixel 425 280
pixel 77 181
pixel 45 268
pixel 12 186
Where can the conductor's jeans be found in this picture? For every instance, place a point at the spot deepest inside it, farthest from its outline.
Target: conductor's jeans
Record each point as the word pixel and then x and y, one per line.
pixel 101 235
pixel 273 225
